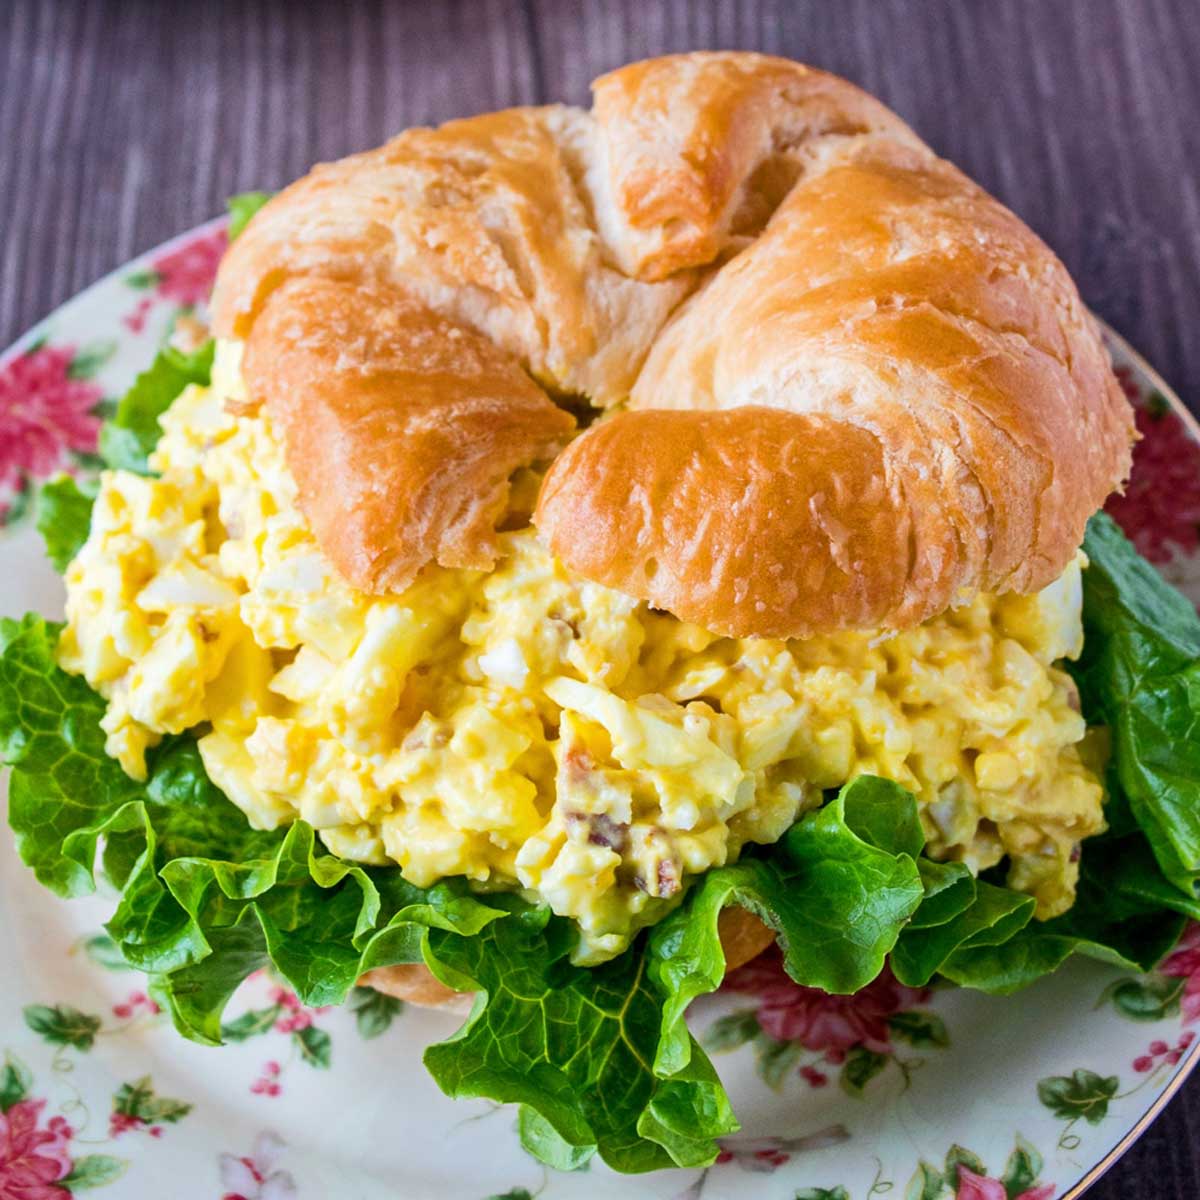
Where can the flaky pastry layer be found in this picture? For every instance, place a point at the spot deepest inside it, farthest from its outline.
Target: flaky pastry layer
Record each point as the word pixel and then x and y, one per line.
pixel 851 387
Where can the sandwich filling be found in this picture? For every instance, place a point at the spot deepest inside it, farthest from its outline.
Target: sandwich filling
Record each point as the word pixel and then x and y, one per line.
pixel 528 729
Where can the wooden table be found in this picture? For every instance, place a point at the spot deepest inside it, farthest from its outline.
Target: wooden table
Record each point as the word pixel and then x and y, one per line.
pixel 122 123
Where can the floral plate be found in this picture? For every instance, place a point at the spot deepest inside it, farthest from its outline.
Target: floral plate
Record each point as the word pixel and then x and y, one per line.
pixel 925 1095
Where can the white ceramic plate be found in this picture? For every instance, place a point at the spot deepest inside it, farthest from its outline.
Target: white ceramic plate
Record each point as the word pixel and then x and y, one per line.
pixel 912 1094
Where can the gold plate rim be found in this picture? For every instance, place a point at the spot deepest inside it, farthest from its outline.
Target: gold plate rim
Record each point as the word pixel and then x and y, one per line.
pixel 1169 394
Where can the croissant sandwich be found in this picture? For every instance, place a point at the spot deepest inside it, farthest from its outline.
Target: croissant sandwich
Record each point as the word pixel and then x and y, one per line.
pixel 594 547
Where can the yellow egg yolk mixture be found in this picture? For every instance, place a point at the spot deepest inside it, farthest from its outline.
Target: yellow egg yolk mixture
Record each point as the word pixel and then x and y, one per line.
pixel 531 730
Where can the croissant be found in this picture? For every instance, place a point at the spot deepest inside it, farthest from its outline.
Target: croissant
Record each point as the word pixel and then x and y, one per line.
pixel 881 391
pixel 842 387
pixel 376 393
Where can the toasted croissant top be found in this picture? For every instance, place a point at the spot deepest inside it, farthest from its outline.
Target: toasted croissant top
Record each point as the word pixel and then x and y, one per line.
pixel 374 393
pixel 850 386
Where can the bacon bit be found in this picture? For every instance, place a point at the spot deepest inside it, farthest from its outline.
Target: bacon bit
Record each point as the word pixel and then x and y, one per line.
pixel 577 762
pixel 666 882
pixel 602 830
pixel 668 877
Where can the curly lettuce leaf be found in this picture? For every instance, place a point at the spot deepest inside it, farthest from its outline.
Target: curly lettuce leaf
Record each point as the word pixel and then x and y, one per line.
pixel 1139 674
pixel 1094 928
pixel 837 889
pixel 575 1044
pixel 949 889
pixel 127 439
pixel 242 207
pixel 50 735
pixel 63 515
pixel 1125 868
pixel 994 915
pixel 599 1058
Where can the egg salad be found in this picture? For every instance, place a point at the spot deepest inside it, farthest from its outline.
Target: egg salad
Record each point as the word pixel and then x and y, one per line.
pixel 528 729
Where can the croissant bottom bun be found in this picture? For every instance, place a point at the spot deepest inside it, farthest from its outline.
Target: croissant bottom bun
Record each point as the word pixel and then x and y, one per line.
pixel 414 984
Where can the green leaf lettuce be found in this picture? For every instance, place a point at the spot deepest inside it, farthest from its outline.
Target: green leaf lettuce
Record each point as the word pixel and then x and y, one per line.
pixel 128 438
pixel 1140 675
pixel 63 514
pixel 242 207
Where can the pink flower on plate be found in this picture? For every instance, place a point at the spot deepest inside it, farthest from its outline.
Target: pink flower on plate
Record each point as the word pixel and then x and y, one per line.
pixel 295 1016
pixel 256 1176
pixel 135 1003
pixel 267 1084
pixel 295 1022
pixel 186 273
pixel 817 1020
pixel 43 413
pixel 119 1123
pixel 1160 510
pixel 1160 1052
pixel 135 321
pixel 33 1160
pixel 1184 963
pixel 977 1187
pixel 766 1154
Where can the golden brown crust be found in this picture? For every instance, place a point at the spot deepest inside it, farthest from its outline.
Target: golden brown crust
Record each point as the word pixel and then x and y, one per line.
pixel 818 484
pixel 485 220
pixel 944 415
pixel 400 427
pixel 700 148
pixel 889 394
pixel 743 937
pixel 414 984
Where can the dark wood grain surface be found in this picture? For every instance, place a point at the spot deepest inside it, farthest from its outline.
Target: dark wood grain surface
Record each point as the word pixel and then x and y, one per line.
pixel 123 122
